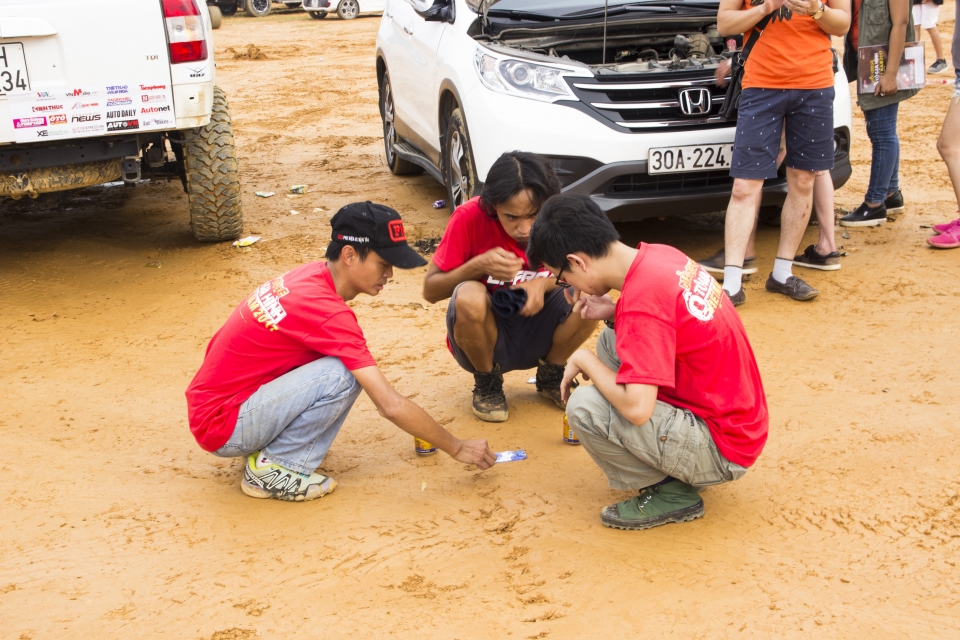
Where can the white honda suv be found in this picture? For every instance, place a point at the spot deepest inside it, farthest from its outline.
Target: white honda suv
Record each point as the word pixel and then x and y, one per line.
pixel 623 100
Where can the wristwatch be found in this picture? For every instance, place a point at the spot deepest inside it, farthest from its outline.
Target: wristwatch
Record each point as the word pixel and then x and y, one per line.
pixel 819 12
pixel 609 323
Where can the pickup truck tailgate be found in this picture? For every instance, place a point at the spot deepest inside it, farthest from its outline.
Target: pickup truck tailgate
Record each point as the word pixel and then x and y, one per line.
pixel 72 69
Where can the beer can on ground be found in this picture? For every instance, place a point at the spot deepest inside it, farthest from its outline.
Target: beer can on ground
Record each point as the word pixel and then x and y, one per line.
pixel 423 448
pixel 568 435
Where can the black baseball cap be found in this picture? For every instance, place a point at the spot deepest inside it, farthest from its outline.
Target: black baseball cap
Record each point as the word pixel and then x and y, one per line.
pixel 365 224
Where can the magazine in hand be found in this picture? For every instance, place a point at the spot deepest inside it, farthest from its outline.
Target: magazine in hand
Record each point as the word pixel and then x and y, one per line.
pixel 873 63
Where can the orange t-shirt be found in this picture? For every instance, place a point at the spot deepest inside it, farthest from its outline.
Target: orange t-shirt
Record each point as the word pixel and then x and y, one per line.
pixel 792 53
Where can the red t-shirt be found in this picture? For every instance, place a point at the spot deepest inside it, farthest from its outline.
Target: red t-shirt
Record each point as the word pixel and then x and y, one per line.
pixel 677 329
pixel 287 322
pixel 470 233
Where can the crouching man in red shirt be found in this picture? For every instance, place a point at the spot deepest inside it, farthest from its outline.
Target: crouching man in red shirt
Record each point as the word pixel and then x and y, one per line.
pixel 280 377
pixel 505 312
pixel 676 403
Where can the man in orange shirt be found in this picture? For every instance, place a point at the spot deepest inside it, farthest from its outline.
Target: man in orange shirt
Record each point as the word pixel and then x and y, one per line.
pixel 787 82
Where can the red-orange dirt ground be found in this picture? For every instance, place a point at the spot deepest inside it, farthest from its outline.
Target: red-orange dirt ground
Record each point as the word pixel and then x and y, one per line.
pixel 116 525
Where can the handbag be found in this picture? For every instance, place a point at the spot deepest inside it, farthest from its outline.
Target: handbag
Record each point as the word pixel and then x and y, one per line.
pixel 731 103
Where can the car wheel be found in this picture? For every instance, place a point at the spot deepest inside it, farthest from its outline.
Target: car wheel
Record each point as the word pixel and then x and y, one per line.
pixel 457 160
pixel 318 15
pixel 216 17
pixel 256 8
pixel 348 9
pixel 213 177
pixel 398 166
pixel 229 9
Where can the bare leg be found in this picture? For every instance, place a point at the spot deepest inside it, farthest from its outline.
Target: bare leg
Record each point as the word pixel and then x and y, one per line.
pixel 916 32
pixel 796 211
pixel 823 205
pixel 937 43
pixel 568 337
pixel 475 329
pixel 949 145
pixel 741 220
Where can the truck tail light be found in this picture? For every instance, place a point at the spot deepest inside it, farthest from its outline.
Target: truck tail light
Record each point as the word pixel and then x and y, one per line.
pixel 184 31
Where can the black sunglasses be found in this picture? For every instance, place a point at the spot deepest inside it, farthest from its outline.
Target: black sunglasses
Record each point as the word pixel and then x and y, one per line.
pixel 562 283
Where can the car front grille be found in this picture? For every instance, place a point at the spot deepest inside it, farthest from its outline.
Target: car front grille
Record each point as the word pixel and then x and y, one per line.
pixel 688 100
pixel 666 183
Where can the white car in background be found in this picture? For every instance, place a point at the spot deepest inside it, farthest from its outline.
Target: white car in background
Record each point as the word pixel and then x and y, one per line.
pixel 625 105
pixel 345 9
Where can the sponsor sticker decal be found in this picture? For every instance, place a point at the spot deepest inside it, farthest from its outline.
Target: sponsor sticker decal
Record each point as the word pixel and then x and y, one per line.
pixel 47 107
pixel 88 117
pixel 77 93
pixel 88 128
pixel 45 95
pixel 123 125
pixel 84 105
pixel 153 87
pixel 58 118
pixel 154 109
pixel 122 113
pixel 117 89
pixel 155 98
pixel 119 102
pixel 27 123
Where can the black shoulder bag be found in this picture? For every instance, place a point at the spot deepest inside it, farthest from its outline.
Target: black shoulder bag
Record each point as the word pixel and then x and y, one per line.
pixel 731 104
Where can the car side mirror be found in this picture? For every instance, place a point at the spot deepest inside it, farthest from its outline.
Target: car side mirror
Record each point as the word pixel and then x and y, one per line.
pixel 435 11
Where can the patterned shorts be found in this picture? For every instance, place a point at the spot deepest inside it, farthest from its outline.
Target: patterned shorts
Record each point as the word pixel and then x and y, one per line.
pixel 956 85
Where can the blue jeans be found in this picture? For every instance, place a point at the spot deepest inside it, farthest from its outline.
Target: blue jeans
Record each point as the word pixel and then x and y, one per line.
pixel 295 418
pixel 885 164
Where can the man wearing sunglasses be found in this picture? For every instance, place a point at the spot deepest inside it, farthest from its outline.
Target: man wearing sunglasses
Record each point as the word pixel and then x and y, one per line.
pixel 676 402
pixel 505 312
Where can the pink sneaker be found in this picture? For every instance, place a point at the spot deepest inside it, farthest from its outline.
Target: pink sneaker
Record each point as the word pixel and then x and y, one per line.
pixel 947 240
pixel 946 226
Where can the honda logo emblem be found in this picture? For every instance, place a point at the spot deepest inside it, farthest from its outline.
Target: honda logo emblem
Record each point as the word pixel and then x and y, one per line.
pixel 694 102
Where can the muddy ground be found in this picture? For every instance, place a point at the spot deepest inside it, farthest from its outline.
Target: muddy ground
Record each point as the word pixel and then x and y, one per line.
pixel 116 525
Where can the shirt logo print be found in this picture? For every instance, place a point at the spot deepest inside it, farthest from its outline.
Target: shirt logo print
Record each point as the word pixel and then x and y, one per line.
pixel 265 305
pixel 701 293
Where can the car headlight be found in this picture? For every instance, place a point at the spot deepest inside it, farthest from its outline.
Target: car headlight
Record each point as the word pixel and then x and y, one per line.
pixel 522 78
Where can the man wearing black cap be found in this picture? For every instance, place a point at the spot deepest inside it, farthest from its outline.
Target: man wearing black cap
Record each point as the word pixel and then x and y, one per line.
pixel 280 377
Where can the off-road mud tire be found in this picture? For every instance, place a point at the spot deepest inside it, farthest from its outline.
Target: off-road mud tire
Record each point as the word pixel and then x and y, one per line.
pixel 257 8
pixel 456 160
pixel 318 15
pixel 216 16
pixel 348 9
pixel 398 166
pixel 213 177
pixel 228 9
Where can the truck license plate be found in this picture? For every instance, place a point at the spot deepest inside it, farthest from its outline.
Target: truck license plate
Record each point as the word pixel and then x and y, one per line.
pixel 701 157
pixel 13 69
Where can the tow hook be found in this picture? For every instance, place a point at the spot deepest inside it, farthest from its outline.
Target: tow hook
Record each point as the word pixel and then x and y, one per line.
pixel 23 187
pixel 131 169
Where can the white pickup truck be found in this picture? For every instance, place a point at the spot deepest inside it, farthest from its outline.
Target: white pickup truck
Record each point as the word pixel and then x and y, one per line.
pixel 96 91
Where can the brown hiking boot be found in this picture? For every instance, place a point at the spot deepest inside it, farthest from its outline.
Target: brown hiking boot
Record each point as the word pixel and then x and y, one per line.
pixel 549 377
pixel 489 402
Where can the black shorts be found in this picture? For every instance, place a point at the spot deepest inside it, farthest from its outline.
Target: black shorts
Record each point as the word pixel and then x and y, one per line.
pixel 808 116
pixel 521 341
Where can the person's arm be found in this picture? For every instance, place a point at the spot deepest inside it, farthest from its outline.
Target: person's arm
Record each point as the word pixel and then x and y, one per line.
pixel 499 263
pixel 733 19
pixel 417 422
pixel 635 402
pixel 899 17
pixel 835 19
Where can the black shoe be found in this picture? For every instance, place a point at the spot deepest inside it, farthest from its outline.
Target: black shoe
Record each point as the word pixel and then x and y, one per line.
pixel 864 216
pixel 549 377
pixel 894 203
pixel 489 402
pixel 811 259
pixel 715 264
pixel 794 288
pixel 738 298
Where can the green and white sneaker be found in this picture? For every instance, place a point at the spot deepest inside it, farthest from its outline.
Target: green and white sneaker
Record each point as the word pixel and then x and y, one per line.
pixel 674 501
pixel 265 479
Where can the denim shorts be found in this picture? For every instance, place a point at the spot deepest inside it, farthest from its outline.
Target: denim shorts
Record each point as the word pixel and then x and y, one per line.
pixel 956 85
pixel 521 341
pixel 807 115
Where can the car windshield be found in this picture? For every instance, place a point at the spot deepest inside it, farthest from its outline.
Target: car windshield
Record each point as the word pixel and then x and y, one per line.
pixel 578 8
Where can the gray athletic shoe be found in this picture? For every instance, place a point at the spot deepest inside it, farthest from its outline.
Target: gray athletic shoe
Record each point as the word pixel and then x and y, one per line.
pixel 715 264
pixel 794 288
pixel 937 66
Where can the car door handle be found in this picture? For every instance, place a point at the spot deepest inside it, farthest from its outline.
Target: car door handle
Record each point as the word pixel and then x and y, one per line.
pixel 408 28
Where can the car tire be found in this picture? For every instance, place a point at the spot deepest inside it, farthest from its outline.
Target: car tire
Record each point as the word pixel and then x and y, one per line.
pixel 257 8
pixel 398 166
pixel 459 174
pixel 216 17
pixel 770 215
pixel 348 9
pixel 318 15
pixel 213 177
pixel 229 9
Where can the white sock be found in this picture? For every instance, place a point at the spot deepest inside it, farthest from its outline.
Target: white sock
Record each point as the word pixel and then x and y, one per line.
pixel 782 269
pixel 732 279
